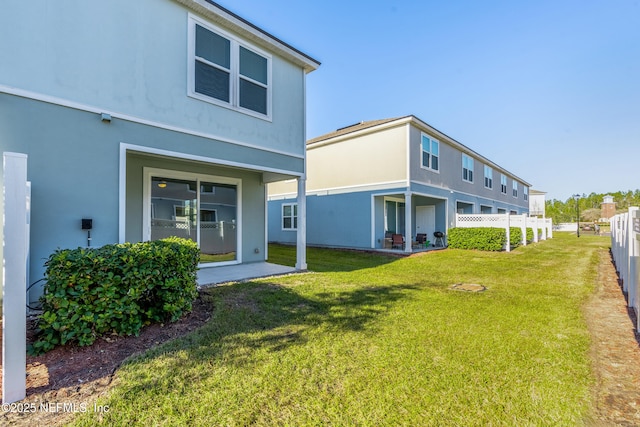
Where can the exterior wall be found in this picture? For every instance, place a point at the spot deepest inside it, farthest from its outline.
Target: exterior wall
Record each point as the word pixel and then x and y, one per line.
pixel 73 165
pixel 130 61
pixel 371 159
pixel 131 57
pixel 449 175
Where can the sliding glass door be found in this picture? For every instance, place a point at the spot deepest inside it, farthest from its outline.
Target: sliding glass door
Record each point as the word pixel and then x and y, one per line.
pixel 196 207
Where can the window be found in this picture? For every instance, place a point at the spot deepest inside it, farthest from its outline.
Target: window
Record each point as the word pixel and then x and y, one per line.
pixel 515 189
pixel 228 72
pixel 503 184
pixel 467 168
pixel 488 177
pixel 290 216
pixel 525 192
pixel 430 153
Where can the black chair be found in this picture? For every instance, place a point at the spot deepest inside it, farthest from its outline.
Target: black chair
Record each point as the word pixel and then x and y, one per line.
pixel 421 239
pixel 439 239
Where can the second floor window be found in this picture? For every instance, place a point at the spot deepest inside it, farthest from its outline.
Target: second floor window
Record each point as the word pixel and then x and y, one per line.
pixel 503 184
pixel 525 192
pixel 430 153
pixel 515 189
pixel 488 177
pixel 467 168
pixel 229 72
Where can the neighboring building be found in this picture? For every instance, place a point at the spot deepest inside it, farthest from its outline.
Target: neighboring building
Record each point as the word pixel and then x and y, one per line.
pixel 608 207
pixel 537 203
pixel 370 180
pixel 152 118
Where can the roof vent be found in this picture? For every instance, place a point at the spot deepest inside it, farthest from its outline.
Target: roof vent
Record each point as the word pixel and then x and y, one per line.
pixel 350 126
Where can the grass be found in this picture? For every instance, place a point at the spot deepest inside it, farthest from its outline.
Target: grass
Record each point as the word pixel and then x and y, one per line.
pixel 377 340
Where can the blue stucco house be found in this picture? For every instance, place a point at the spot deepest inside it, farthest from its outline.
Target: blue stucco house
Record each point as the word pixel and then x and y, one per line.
pixel 373 179
pixel 151 118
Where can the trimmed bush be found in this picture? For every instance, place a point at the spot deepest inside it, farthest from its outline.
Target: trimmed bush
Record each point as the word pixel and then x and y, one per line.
pixel 115 289
pixel 515 236
pixel 529 234
pixel 481 238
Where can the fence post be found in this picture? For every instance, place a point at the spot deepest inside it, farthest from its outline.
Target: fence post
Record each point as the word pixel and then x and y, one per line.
pixel 508 227
pixel 14 278
pixel 632 251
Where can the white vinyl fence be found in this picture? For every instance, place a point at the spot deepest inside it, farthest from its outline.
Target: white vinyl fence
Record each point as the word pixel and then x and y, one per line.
pixel 625 250
pixel 542 227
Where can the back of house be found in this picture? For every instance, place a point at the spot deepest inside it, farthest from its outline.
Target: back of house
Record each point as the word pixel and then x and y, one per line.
pixel 151 118
pixel 371 180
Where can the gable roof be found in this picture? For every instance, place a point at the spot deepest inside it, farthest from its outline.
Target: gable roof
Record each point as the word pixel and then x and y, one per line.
pixel 351 128
pixel 222 16
pixel 375 125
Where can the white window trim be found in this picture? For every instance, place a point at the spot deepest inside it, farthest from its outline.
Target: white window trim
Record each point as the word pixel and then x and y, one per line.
pixel 503 178
pixel 525 192
pixel 490 170
pixel 486 206
pixel 148 173
pixel 282 216
pixel 234 101
pixel 514 189
pixel 431 141
pixel 471 170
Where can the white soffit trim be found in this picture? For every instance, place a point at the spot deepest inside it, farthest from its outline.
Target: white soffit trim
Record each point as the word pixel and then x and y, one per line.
pixel 97 110
pixel 124 147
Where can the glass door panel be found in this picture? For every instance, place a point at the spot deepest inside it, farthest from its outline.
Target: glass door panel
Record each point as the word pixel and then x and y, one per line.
pixel 218 222
pixel 173 208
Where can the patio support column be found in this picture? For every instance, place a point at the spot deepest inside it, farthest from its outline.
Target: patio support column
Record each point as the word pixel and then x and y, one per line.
pixel 301 240
pixel 408 225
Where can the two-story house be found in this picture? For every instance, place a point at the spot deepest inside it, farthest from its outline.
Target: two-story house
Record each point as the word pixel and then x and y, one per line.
pixel 151 118
pixel 373 179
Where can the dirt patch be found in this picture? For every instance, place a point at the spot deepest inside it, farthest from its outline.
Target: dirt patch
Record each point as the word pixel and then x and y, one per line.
pixel 468 287
pixel 615 351
pixel 77 376
pixel 69 379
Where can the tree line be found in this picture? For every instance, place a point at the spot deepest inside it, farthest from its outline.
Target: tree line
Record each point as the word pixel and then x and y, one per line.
pixel 589 205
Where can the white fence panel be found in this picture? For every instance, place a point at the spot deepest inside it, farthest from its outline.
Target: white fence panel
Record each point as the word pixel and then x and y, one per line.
pixel 541 226
pixel 625 250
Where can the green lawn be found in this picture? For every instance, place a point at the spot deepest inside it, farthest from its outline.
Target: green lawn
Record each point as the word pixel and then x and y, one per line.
pixel 375 340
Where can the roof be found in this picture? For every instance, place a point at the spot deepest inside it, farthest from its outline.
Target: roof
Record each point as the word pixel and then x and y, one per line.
pixel 372 125
pixel 222 16
pixel 351 128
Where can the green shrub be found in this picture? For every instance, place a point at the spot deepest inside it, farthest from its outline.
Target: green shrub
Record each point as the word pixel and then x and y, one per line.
pixel 115 289
pixel 515 236
pixel 529 234
pixel 485 239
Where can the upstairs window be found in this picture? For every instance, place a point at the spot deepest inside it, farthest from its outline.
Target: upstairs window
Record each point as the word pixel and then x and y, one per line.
pixel 467 168
pixel 430 153
pixel 525 193
pixel 228 72
pixel 488 177
pixel 290 216
pixel 515 188
pixel 503 184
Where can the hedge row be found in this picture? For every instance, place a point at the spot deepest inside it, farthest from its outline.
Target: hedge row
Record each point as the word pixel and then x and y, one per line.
pixel 115 288
pixel 486 238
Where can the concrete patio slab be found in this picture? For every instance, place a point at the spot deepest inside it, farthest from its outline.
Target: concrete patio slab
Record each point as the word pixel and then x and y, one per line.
pixel 234 273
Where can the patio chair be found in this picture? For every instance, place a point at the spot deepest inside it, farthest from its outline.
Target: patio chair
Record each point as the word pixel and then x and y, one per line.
pixel 421 239
pixel 439 239
pixel 397 241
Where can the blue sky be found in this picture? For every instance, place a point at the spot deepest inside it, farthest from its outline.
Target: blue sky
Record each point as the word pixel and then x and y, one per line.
pixel 550 90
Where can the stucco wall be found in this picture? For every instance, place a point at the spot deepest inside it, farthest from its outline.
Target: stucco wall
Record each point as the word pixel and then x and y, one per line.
pixel 131 57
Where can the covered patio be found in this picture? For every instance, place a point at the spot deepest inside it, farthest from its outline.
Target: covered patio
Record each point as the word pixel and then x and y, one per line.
pixel 209 276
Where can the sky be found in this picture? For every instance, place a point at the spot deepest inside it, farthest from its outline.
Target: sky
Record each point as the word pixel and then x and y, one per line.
pixel 547 89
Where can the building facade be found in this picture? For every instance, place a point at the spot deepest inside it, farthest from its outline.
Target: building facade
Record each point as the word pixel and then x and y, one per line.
pixel 151 118
pixel 373 179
